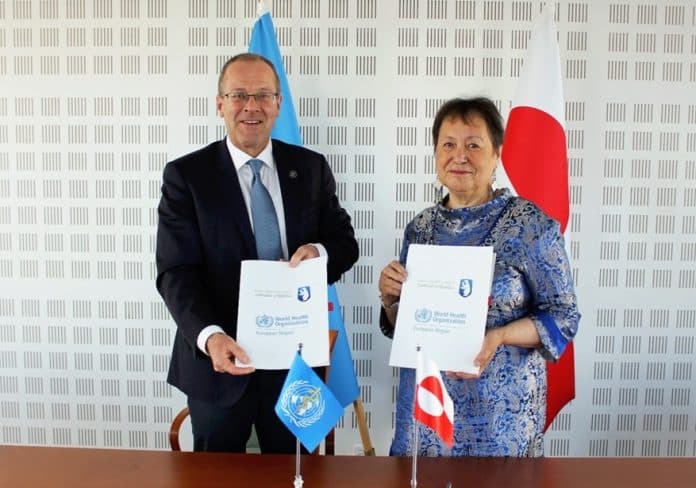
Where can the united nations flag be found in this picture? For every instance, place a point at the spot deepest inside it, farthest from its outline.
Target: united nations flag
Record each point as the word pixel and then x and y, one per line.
pixel 306 406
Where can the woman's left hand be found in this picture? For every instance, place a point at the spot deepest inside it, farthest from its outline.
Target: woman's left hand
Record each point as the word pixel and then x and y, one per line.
pixel 491 341
pixel 520 332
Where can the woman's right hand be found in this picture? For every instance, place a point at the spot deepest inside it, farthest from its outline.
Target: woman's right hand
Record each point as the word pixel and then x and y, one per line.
pixel 391 279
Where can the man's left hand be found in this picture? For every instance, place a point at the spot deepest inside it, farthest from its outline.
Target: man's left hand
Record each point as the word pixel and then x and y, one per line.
pixel 306 251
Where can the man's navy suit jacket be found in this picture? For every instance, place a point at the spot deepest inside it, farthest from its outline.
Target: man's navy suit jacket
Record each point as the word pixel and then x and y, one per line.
pixel 204 233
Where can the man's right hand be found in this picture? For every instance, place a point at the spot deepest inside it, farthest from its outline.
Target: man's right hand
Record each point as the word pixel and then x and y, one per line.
pixel 223 350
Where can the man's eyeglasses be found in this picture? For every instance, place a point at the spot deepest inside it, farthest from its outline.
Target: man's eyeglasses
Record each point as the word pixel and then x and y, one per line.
pixel 261 98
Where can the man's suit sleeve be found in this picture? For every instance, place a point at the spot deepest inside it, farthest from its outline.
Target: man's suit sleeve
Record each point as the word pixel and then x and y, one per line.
pixel 179 257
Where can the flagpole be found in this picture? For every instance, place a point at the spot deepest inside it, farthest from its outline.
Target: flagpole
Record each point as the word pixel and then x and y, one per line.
pixel 414 480
pixel 368 449
pixel 298 476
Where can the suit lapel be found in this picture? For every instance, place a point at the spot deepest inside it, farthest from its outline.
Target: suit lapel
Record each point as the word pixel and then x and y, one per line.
pixel 289 178
pixel 232 199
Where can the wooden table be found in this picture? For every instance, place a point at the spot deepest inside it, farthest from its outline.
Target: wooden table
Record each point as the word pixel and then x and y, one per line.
pixel 54 467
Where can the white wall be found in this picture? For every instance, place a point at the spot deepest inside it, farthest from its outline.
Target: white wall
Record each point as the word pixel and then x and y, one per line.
pixel 97 95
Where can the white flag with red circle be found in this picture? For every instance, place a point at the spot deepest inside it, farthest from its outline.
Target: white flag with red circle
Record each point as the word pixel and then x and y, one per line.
pixel 433 405
pixel 536 163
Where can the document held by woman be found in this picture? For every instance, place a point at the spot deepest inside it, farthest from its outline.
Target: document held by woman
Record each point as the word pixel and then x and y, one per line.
pixel 443 306
pixel 279 307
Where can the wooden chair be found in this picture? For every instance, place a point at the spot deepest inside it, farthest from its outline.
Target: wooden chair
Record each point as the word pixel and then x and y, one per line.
pixel 175 426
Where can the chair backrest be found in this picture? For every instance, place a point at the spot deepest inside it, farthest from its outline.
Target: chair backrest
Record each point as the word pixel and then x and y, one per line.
pixel 175 426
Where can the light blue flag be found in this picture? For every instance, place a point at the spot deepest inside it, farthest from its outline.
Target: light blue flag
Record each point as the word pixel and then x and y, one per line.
pixel 342 379
pixel 263 41
pixel 306 406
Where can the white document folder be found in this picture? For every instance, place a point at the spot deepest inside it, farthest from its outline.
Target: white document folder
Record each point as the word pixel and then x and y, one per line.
pixel 443 306
pixel 279 307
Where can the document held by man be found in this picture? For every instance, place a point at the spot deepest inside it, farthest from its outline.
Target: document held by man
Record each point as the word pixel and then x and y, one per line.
pixel 443 306
pixel 279 307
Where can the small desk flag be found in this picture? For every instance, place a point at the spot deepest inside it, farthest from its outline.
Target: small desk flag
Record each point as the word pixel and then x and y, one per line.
pixel 306 406
pixel 433 405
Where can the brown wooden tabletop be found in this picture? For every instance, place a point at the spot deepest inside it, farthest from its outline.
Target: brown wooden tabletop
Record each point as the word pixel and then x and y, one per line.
pixel 37 467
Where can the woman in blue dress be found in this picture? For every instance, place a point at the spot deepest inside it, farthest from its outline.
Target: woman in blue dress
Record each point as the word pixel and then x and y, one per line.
pixel 533 313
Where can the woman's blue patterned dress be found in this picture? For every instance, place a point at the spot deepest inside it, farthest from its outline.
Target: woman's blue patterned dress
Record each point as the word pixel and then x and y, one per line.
pixel 502 413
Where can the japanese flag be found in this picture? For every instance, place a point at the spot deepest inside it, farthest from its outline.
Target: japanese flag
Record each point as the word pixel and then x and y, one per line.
pixel 433 405
pixel 535 160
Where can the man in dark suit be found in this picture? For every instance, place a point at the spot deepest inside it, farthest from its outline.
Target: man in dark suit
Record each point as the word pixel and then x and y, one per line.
pixel 206 229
